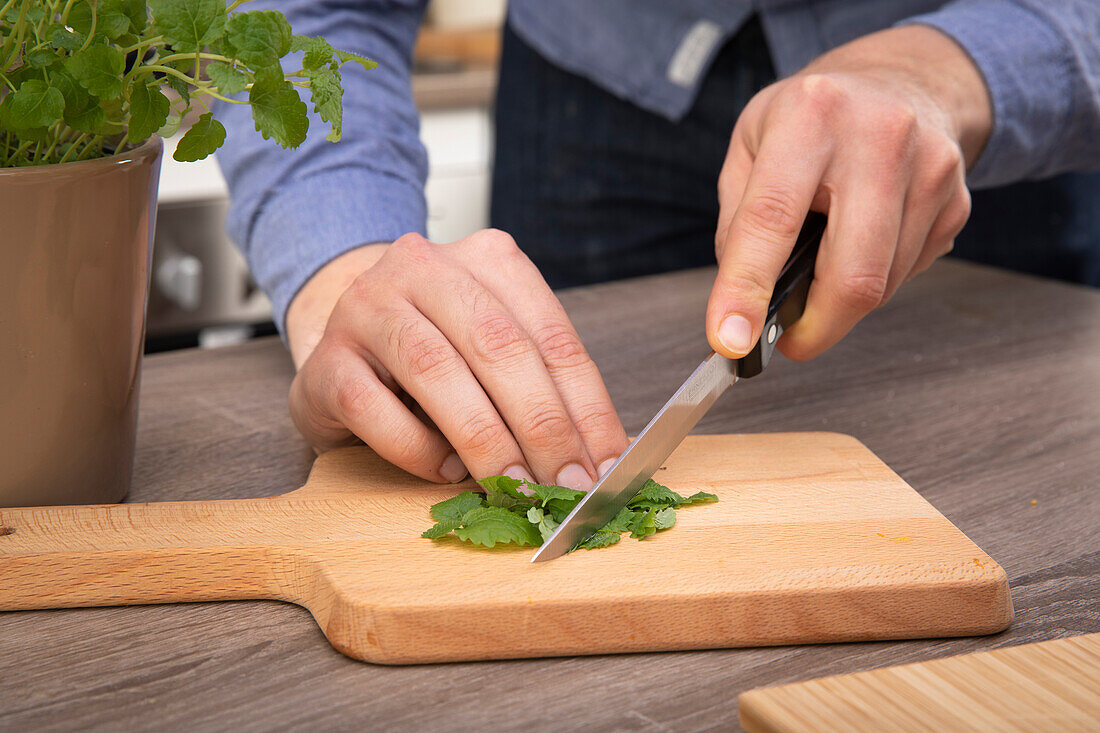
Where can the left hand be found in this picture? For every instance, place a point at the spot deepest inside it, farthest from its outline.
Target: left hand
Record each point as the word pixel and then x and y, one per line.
pixel 877 134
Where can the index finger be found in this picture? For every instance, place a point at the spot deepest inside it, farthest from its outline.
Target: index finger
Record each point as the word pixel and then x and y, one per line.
pixel 785 177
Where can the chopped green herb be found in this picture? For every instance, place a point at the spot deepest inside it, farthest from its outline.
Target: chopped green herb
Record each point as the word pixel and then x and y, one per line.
pixel 505 514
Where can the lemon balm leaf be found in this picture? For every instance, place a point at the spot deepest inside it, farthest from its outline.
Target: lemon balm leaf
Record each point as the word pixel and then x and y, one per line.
pixel 492 525
pixel 278 111
pixel 204 137
pixel 188 25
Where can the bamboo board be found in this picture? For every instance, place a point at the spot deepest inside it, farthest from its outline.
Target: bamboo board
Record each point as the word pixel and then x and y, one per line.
pixel 1048 686
pixel 814 539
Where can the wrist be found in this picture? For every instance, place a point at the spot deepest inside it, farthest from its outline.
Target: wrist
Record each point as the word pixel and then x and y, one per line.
pixel 310 310
pixel 932 63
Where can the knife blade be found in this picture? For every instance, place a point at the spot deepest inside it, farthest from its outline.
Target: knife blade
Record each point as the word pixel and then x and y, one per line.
pixel 689 403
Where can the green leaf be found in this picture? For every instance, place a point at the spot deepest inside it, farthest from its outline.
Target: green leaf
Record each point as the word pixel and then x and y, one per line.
pixel 664 518
pixel 326 93
pixel 179 86
pixel 318 51
pixel 644 524
pixel 227 79
pixel 699 497
pixel 64 39
pixel 99 70
pixel 138 13
pixel 278 111
pixel 504 492
pixel 148 111
pixel 503 485
pixel 490 525
pixel 33 104
pixel 111 20
pixel 188 25
pixel 82 110
pixel 653 494
pixel 452 509
pixel 171 126
pixel 41 58
pixel 559 508
pixel 546 493
pixel 601 538
pixel 441 529
pixel 259 38
pixel 204 137
pixel 363 61
pixel 621 522
pixel 546 525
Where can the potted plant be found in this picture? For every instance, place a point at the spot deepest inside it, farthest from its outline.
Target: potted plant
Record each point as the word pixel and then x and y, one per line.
pixel 87 90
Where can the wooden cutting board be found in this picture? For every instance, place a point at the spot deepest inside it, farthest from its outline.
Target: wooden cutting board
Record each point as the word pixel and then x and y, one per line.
pixel 813 540
pixel 1049 686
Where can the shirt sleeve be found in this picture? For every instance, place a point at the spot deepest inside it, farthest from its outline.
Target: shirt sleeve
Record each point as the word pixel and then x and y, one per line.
pixel 293 211
pixel 1041 63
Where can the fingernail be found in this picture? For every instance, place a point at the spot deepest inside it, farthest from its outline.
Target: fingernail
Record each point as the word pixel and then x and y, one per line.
pixel 735 333
pixel 606 466
pixel 519 472
pixel 575 477
pixel 453 469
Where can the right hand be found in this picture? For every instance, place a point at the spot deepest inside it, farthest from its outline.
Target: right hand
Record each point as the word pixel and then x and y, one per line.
pixel 448 357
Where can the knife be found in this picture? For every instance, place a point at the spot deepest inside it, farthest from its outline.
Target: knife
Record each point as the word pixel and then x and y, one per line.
pixel 675 420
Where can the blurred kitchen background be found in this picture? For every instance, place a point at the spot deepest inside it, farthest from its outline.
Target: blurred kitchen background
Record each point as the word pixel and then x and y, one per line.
pixel 202 294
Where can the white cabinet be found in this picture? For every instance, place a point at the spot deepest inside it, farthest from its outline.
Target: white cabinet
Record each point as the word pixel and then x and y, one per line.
pixel 459 144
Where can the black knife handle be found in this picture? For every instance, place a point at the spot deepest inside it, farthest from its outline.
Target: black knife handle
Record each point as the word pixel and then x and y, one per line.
pixel 789 296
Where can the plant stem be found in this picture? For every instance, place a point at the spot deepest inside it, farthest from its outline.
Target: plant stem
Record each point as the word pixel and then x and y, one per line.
pixel 210 92
pixel 91 31
pixel 17 35
pixel 206 56
pixel 147 43
pixel 6 7
pixel 74 146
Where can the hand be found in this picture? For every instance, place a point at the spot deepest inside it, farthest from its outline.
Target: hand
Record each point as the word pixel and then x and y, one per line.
pixel 875 133
pixel 444 357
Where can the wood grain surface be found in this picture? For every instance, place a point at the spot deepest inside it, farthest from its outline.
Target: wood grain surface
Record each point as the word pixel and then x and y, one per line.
pixel 1046 686
pixel 813 540
pixel 979 387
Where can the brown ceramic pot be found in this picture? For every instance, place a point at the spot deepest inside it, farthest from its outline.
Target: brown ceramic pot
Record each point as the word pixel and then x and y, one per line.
pixel 75 246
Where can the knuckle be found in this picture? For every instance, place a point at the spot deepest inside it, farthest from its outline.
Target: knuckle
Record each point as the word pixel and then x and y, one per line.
pixel 953 217
pixel 496 337
pixel 750 280
pixel 864 290
pixel 414 247
pixel 821 94
pixel 561 347
pixel 599 419
pixel 425 355
pixel 773 214
pixel 482 435
pixel 409 450
pixel 944 166
pixel 546 428
pixel 897 122
pixel 354 396
pixel 497 241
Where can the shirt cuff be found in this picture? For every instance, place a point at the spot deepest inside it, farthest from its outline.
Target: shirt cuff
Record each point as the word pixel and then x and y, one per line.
pixel 314 220
pixel 1027 71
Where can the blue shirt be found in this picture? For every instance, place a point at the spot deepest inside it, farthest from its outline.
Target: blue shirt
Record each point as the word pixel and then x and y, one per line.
pixel 295 210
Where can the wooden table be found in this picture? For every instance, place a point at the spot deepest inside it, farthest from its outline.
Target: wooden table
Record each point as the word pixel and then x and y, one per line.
pixel 981 388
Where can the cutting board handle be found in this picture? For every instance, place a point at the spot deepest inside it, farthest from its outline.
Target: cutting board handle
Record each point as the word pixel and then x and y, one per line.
pixel 71 556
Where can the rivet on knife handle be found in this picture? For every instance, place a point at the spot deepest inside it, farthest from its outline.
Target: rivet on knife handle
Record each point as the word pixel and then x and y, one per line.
pixel 789 296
